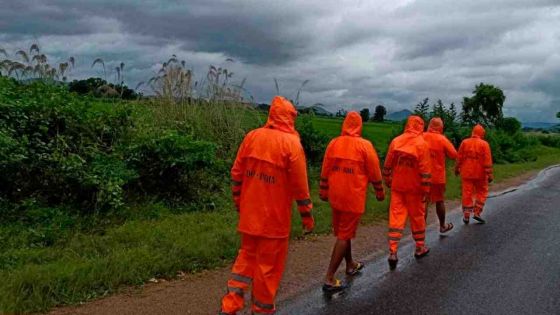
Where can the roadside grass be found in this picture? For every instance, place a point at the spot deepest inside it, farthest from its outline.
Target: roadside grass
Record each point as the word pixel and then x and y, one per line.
pixel 87 266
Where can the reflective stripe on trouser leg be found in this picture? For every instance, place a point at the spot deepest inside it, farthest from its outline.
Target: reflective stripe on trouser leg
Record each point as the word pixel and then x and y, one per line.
pixel 397 219
pixel 416 211
pixel 271 261
pixel 481 193
pixel 241 275
pixel 467 190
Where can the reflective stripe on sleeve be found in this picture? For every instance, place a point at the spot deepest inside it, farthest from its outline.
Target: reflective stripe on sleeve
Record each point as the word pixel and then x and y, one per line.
pixel 305 214
pixel 323 186
pixel 236 183
pixel 426 175
pixel 236 193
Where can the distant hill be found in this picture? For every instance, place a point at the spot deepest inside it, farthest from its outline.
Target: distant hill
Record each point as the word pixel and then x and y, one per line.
pixel 399 116
pixel 538 125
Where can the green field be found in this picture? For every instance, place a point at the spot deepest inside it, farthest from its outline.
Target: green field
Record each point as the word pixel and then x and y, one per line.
pixel 87 266
pixel 378 133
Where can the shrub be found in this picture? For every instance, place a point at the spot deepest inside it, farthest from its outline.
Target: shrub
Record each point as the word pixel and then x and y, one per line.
pixel 313 141
pixel 62 149
pixel 510 125
pixel 174 166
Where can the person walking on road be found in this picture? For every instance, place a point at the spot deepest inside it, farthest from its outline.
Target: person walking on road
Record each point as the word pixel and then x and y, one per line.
pixel 474 164
pixel 407 172
pixel 267 175
pixel 440 147
pixel 349 166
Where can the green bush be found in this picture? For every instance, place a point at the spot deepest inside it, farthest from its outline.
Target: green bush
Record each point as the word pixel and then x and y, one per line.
pixel 175 167
pixel 507 148
pixel 59 148
pixel 549 140
pixel 313 141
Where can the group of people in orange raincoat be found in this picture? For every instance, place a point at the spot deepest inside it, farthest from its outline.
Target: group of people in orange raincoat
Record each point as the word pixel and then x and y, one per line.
pixel 269 173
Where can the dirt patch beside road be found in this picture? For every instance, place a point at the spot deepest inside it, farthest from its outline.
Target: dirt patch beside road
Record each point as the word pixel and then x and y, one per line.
pixel 200 293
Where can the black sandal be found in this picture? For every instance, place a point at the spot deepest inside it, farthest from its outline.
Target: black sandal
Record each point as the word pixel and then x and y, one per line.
pixel 448 227
pixel 334 288
pixel 423 253
pixel 356 269
pixel 392 261
pixel 479 219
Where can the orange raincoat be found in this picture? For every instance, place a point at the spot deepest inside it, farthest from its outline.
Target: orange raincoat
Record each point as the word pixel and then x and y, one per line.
pixel 349 165
pixel 267 175
pixel 474 163
pixel 407 171
pixel 440 147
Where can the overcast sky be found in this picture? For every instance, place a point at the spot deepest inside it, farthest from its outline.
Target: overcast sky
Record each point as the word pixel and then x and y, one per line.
pixel 355 53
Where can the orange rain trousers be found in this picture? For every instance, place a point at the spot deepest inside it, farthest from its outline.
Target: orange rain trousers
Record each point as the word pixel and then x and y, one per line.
pixel 402 206
pixel 261 261
pixel 476 190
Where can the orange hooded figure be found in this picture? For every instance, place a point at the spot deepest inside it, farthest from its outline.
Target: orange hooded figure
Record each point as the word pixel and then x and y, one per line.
pixel 474 164
pixel 267 175
pixel 440 147
pixel 407 171
pixel 349 165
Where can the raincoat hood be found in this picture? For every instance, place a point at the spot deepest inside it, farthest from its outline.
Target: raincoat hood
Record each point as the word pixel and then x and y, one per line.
pixel 352 125
pixel 478 132
pixel 413 131
pixel 282 115
pixel 414 125
pixel 436 125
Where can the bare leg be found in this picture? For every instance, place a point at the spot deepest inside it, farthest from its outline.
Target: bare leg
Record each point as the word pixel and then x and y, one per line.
pixel 440 210
pixel 338 253
pixel 350 264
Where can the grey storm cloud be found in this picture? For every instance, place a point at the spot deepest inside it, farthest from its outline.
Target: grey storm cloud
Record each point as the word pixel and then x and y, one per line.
pixel 355 53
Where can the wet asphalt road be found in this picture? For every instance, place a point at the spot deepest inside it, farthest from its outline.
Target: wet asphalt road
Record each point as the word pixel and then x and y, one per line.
pixel 511 265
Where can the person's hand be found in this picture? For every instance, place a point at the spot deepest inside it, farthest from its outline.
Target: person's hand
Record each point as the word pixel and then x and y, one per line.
pixel 490 178
pixel 380 195
pixel 457 172
pixel 425 197
pixel 308 224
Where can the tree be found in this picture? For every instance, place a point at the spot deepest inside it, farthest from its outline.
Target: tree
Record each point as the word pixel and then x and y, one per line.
pixel 341 113
pixel 510 125
pixel 101 88
pixel 558 115
pixel 379 114
pixel 485 106
pixel 452 112
pixel 422 109
pixel 365 114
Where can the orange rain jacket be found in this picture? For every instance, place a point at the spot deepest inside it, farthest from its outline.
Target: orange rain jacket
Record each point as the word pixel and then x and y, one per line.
pixel 474 159
pixel 269 173
pixel 440 147
pixel 350 163
pixel 407 165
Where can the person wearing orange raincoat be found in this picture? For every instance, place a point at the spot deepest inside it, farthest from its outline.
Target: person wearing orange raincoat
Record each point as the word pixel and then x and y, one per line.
pixel 267 175
pixel 474 164
pixel 349 165
pixel 440 147
pixel 407 172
